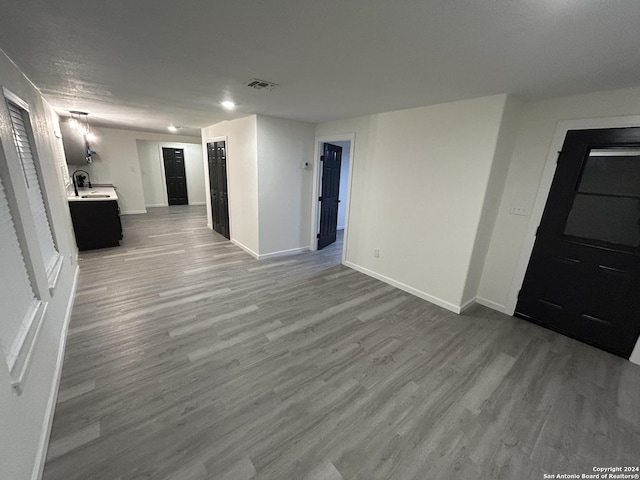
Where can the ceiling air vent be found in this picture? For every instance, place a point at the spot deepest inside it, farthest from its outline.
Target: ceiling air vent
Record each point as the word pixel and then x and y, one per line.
pixel 258 84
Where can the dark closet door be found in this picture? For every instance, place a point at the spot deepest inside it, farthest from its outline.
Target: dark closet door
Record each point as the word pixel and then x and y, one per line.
pixel 331 161
pixel 583 277
pixel 217 159
pixel 175 174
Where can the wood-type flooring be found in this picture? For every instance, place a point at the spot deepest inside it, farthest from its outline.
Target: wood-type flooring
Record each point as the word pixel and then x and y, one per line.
pixel 188 359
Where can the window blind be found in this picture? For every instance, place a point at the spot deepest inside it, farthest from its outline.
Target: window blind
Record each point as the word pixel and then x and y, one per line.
pixel 18 300
pixel 34 192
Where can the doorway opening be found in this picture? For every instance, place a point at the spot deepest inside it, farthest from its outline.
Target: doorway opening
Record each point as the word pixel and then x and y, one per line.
pixel 582 276
pixel 332 182
pixel 175 176
pixel 218 190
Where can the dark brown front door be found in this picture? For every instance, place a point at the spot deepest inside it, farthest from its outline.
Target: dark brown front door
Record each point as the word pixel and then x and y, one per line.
pixel 175 175
pixel 330 162
pixel 217 158
pixel 583 277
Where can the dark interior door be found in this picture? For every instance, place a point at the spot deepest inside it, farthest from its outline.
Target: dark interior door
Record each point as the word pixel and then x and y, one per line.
pixel 217 157
pixel 175 175
pixel 331 161
pixel 583 277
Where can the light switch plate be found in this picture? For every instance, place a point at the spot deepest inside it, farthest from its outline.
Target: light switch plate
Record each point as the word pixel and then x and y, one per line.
pixel 519 210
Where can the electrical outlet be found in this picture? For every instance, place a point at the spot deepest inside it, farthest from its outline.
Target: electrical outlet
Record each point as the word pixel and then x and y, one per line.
pixel 519 210
pixel 376 253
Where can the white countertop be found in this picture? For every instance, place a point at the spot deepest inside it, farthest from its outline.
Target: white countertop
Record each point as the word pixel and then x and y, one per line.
pixel 95 194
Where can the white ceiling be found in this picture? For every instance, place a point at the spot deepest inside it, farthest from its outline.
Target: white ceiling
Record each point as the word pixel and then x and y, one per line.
pixel 147 63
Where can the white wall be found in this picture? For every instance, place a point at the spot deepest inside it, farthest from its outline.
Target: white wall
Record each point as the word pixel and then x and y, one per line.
pixel 537 127
pixel 25 418
pixel 242 178
pixel 152 172
pixel 117 162
pixel 269 191
pixel 153 189
pixel 284 187
pixel 420 178
pixel 504 149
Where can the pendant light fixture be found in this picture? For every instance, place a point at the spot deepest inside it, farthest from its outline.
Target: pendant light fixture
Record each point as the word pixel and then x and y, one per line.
pixel 80 121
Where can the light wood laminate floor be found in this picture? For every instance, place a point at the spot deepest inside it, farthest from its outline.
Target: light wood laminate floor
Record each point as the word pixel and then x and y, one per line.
pixel 187 359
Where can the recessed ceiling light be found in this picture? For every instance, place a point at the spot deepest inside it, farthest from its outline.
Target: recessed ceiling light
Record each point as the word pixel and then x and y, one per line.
pixel 172 128
pixel 228 105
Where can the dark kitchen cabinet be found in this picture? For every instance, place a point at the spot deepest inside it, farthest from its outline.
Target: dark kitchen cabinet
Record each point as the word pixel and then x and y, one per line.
pixel 96 223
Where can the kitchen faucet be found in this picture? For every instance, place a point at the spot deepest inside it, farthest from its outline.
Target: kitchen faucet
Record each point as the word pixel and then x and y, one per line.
pixel 75 183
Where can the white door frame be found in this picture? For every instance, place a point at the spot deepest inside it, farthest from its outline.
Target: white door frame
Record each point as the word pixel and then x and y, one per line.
pixel 548 173
pixel 319 141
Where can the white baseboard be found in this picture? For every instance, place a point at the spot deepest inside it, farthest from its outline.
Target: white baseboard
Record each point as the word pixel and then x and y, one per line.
pixel 635 355
pixel 41 454
pixel 402 286
pixel 198 203
pixel 134 212
pixel 245 248
pixel 210 226
pixel 493 305
pixel 282 253
pixel 258 256
pixel 467 304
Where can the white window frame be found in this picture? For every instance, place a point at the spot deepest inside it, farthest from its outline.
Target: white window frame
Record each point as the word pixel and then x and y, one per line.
pixel 36 192
pixel 29 309
pixel 34 282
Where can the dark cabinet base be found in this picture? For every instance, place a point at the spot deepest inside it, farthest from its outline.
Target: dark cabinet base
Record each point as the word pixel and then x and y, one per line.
pixel 96 224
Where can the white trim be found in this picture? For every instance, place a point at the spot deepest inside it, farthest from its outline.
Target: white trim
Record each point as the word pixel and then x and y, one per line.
pixel 635 355
pixel 9 95
pixel 468 304
pixel 402 286
pixel 41 454
pixel 165 194
pixel 53 274
pixel 492 305
pixel 245 248
pixel 222 138
pixel 548 173
pixel 344 137
pixel 135 212
pixel 283 253
pixel 198 203
pixel 19 358
pixel 153 205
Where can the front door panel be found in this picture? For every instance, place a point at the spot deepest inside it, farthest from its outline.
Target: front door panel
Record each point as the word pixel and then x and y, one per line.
pixel 331 163
pixel 175 175
pixel 583 277
pixel 217 159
